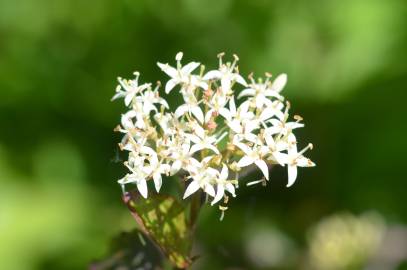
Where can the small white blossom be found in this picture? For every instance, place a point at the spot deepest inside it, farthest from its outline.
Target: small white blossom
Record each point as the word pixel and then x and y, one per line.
pixel 147 100
pixel 281 126
pixel 262 92
pixel 181 75
pixel 222 185
pixel 217 107
pixel 254 155
pixel 157 168
pixel 138 174
pixel 226 74
pixel 295 159
pixel 202 178
pixel 202 140
pixel 128 89
pixel 181 156
pixel 191 108
pixel 241 121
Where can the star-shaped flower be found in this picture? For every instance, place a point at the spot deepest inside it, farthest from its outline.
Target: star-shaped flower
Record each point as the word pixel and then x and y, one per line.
pixel 202 140
pixel 254 155
pixel 226 74
pixel 223 184
pixel 262 92
pixel 129 89
pixel 157 169
pixel 295 159
pixel 202 178
pixel 181 74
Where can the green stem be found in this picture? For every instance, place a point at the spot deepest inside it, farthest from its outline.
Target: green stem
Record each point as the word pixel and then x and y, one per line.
pixel 194 209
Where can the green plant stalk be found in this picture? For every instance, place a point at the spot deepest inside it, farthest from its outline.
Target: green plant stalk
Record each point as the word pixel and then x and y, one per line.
pixel 196 203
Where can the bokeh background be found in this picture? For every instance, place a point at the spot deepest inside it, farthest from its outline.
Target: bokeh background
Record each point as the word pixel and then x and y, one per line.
pixel 347 67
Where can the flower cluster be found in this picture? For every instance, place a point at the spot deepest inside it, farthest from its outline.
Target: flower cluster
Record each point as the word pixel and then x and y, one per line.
pixel 209 138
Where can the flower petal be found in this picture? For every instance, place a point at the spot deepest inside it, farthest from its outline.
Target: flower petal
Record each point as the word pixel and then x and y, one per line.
pixel 232 106
pixel 263 167
pixel 142 187
pixel 213 74
pixel 197 112
pixel 247 92
pixel 279 83
pixel 292 174
pixel 170 71
pixel 196 148
pixel 245 161
pixel 193 138
pixel 170 85
pixel 240 80
pixel 225 84
pixel 192 188
pixel 176 166
pixel 230 188
pixel 198 130
pixel 304 162
pixel 246 149
pixel 213 148
pixel 260 100
pixel 281 158
pixel 148 107
pixel 209 190
pixel 225 113
pixel 181 110
pixel 220 191
pixel 188 68
pixel 235 125
pixel 157 181
pixel 129 97
pixel 224 173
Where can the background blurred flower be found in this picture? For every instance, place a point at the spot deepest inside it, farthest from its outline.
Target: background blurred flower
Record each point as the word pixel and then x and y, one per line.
pixel 345 241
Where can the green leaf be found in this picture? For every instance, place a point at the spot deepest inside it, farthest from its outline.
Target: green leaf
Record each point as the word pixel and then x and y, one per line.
pixel 164 220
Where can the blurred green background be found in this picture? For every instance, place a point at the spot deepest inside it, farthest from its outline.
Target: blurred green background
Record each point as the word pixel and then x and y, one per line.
pixel 347 67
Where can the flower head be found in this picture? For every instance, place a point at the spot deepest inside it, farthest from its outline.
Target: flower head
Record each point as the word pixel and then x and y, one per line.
pixel 210 137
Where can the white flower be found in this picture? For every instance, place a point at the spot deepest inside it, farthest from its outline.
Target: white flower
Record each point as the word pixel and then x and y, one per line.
pixel 157 168
pixel 262 92
pixel 241 121
pixel 202 176
pixel 181 75
pixel 221 184
pixel 131 88
pixel 138 175
pixel 140 182
pixel 165 121
pixel 147 100
pixel 201 140
pixel 275 148
pixel 282 127
pixel 226 74
pixel 254 155
pixel 191 107
pixel 295 159
pixel 129 124
pixel 181 156
pixel 217 106
pixel 274 109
